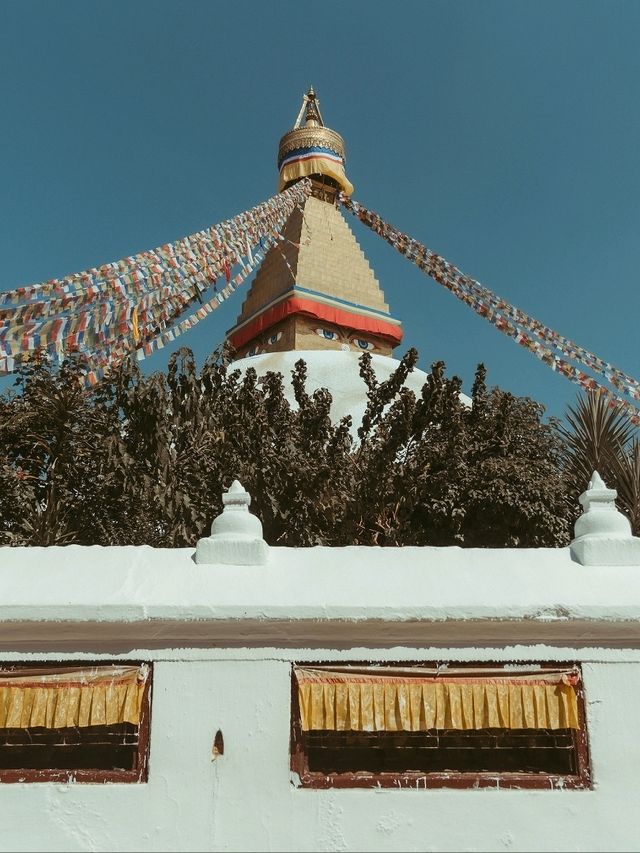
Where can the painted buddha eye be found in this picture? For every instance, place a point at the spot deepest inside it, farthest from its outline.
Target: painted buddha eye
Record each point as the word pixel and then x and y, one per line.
pixel 274 338
pixel 362 344
pixel 252 351
pixel 327 334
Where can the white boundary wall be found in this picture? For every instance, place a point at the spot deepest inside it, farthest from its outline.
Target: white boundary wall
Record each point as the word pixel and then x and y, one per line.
pixel 210 631
pixel 245 799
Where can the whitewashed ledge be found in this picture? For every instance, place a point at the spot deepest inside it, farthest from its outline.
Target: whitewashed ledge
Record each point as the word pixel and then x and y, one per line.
pixel 234 590
pixel 125 597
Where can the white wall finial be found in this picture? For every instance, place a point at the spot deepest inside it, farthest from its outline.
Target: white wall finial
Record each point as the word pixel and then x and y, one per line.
pixel 596 482
pixel 236 534
pixel 236 496
pixel 602 533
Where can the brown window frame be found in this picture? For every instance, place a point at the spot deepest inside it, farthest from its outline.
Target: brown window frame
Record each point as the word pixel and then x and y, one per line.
pixel 299 764
pixel 139 774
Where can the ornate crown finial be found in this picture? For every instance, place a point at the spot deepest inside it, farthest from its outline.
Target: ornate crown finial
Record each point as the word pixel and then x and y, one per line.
pixel 311 148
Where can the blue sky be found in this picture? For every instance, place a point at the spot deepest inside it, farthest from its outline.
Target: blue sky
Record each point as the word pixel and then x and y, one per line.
pixel 504 135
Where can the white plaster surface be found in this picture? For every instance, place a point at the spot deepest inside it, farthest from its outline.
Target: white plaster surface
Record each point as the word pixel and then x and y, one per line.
pixel 337 371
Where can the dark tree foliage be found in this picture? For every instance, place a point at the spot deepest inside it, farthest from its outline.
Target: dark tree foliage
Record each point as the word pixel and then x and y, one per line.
pixel 144 460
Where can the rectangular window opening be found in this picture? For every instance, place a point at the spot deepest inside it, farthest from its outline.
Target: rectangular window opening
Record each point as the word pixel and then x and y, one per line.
pixel 429 725
pixel 76 722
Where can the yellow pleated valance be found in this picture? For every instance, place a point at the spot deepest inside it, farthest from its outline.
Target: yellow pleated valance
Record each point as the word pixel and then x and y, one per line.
pixel 373 699
pixel 315 166
pixel 60 697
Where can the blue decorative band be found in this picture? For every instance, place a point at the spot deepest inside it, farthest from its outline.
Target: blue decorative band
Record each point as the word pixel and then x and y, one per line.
pixel 300 154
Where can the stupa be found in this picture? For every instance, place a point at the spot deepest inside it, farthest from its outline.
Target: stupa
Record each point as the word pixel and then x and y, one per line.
pixel 315 295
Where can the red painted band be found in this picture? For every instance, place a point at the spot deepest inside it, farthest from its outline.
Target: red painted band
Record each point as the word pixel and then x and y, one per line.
pixel 336 316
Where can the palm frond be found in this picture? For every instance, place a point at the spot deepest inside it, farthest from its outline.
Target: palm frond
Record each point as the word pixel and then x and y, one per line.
pixel 627 482
pixel 596 439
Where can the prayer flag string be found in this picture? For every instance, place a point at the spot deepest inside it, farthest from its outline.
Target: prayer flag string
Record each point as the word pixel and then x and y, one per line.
pixel 135 304
pixel 508 319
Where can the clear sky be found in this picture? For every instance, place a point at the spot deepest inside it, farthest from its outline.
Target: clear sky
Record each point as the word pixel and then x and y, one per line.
pixel 503 134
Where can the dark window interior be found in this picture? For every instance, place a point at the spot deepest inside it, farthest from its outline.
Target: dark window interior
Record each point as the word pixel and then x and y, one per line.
pixel 91 748
pixel 435 751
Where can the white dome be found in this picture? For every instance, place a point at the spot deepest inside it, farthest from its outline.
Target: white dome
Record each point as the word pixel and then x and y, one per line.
pixel 338 372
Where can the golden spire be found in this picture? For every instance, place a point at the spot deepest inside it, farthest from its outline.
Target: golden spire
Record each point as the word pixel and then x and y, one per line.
pixel 313 117
pixel 311 148
pixel 312 105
